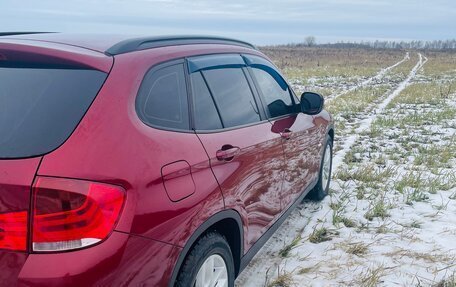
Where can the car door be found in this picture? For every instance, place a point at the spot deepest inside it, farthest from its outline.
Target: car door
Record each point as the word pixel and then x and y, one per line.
pixel 296 129
pixel 247 159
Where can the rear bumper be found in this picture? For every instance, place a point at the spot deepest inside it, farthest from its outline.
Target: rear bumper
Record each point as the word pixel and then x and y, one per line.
pixel 121 260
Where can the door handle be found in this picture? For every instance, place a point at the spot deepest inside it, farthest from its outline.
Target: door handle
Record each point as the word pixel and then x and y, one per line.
pixel 227 152
pixel 286 134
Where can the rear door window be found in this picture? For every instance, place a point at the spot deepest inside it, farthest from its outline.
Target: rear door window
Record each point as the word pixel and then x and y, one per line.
pixel 40 107
pixel 205 112
pixel 162 98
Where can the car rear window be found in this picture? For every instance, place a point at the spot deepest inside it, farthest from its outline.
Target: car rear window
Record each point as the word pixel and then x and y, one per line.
pixel 40 107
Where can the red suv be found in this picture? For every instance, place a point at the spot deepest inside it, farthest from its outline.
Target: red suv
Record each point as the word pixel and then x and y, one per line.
pixel 163 161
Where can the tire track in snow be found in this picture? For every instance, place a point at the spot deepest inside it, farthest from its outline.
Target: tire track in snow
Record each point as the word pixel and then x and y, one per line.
pixel 366 123
pixel 267 258
pixel 369 80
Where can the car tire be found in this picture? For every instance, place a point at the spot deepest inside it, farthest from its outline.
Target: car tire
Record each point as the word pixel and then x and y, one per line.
pixel 321 189
pixel 211 253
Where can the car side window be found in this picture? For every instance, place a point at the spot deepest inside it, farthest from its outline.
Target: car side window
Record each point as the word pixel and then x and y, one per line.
pixel 275 91
pixel 232 96
pixel 205 113
pixel 162 98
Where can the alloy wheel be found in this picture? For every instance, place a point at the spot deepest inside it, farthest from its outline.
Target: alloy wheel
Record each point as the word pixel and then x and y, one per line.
pixel 212 273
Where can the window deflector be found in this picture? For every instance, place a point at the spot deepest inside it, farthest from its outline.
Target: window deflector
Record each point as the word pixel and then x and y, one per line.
pixel 207 62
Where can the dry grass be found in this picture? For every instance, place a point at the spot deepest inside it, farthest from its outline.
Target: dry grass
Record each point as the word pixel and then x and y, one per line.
pixel 306 62
pixel 371 277
pixel 404 69
pixel 428 257
pixel 355 248
pixel 440 64
pixel 282 280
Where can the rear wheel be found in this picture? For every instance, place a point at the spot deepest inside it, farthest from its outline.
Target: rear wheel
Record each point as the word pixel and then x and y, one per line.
pixel 322 188
pixel 209 263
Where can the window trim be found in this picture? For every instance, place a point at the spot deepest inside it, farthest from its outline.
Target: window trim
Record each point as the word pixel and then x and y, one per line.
pixel 231 128
pixel 219 61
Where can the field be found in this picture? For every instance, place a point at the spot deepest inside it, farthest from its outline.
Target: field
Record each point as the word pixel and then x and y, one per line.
pixel 390 219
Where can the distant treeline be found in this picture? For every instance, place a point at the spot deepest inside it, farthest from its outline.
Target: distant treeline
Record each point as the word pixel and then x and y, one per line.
pixel 420 45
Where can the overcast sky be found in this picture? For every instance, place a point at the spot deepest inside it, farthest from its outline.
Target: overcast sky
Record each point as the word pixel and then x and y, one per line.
pixel 256 21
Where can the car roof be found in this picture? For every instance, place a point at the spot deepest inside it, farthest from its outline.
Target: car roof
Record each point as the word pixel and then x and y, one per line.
pixel 112 44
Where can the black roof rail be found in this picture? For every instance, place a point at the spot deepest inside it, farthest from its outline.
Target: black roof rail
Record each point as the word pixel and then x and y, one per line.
pixel 137 44
pixel 21 33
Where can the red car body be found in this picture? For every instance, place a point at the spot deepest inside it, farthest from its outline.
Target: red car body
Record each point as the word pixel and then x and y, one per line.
pixel 175 188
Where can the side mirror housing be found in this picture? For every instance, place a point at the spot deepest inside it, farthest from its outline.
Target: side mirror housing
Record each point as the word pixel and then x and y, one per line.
pixel 311 103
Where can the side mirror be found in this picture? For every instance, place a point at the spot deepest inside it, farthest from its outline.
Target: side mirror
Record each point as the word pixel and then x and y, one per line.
pixel 311 103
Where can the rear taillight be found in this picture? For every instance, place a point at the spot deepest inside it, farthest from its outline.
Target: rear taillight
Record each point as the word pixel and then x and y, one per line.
pixel 13 230
pixel 70 214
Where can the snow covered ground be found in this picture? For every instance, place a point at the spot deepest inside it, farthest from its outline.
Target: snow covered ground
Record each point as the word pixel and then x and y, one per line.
pixel 390 219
